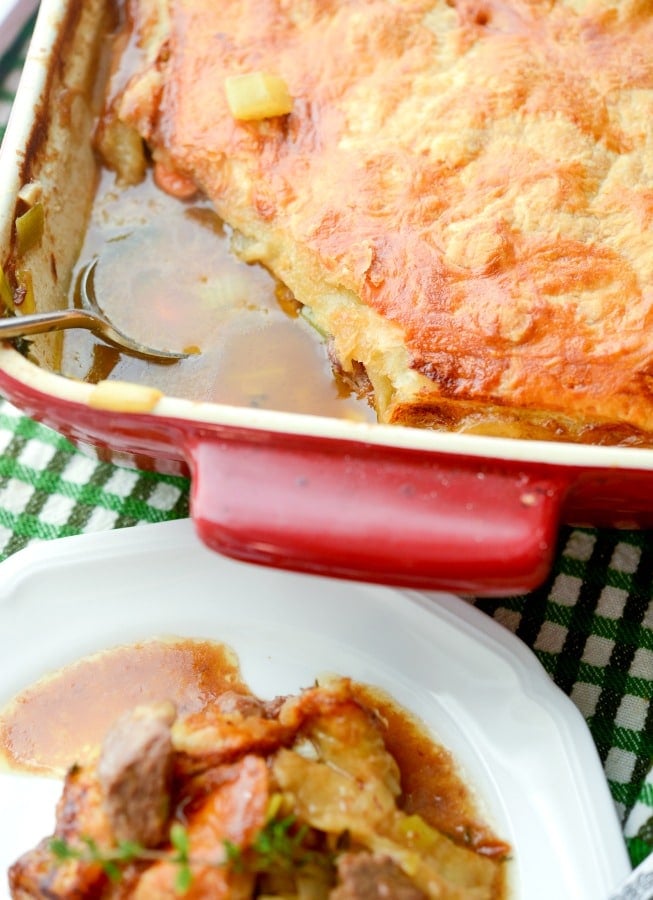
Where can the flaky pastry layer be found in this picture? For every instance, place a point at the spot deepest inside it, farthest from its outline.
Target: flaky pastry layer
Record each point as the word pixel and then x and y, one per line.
pixel 462 192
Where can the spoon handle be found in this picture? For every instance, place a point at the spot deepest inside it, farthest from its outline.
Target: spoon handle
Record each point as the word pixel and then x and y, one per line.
pixel 41 323
pixel 57 320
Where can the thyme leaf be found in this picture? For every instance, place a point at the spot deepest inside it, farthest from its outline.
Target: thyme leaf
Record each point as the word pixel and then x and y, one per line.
pixel 278 845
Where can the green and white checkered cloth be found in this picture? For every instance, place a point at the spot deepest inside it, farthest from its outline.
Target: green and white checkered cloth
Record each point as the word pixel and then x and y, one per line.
pixel 590 624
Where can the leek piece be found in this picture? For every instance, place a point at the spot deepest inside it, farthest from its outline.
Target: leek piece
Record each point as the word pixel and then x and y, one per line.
pixel 257 95
pixel 307 313
pixel 24 296
pixel 417 832
pixel 29 228
pixel 6 293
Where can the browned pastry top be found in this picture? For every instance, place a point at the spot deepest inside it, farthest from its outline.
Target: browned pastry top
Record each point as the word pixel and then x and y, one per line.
pixel 480 174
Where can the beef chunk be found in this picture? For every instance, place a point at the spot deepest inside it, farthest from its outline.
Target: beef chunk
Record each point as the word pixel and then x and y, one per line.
pixel 245 704
pixel 364 876
pixel 134 772
pixel 248 705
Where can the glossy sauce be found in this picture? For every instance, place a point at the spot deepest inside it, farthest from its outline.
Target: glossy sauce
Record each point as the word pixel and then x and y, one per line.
pixel 62 720
pixel 166 276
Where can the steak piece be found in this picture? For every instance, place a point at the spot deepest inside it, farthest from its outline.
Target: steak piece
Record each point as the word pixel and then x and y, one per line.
pixel 134 772
pixel 363 876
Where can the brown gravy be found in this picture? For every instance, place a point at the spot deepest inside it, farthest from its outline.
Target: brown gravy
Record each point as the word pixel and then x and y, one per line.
pixel 62 720
pixel 167 277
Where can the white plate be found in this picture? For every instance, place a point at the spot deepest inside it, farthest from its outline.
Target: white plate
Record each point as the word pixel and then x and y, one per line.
pixel 520 742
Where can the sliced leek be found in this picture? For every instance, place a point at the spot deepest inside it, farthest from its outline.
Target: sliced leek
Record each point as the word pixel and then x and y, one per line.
pixel 257 95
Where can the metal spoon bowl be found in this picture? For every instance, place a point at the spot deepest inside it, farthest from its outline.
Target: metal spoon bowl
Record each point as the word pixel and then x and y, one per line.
pixel 90 318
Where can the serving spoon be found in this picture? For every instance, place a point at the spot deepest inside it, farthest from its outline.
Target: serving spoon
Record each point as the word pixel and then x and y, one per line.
pixel 90 318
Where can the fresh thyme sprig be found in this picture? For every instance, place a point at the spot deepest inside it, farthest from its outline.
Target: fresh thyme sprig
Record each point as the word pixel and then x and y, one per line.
pixel 110 858
pixel 278 845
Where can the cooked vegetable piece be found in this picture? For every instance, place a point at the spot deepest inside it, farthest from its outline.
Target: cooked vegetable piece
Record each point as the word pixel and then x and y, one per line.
pixel 366 810
pixel 29 228
pixel 23 297
pixel 6 293
pixel 257 95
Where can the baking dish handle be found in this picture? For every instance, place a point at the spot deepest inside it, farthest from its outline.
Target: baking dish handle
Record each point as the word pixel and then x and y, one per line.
pixel 396 517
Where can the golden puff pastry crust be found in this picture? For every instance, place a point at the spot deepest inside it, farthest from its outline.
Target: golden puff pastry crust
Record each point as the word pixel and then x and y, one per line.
pixel 462 192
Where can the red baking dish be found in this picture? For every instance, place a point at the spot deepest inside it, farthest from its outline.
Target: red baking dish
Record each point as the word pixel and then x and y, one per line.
pixel 358 500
